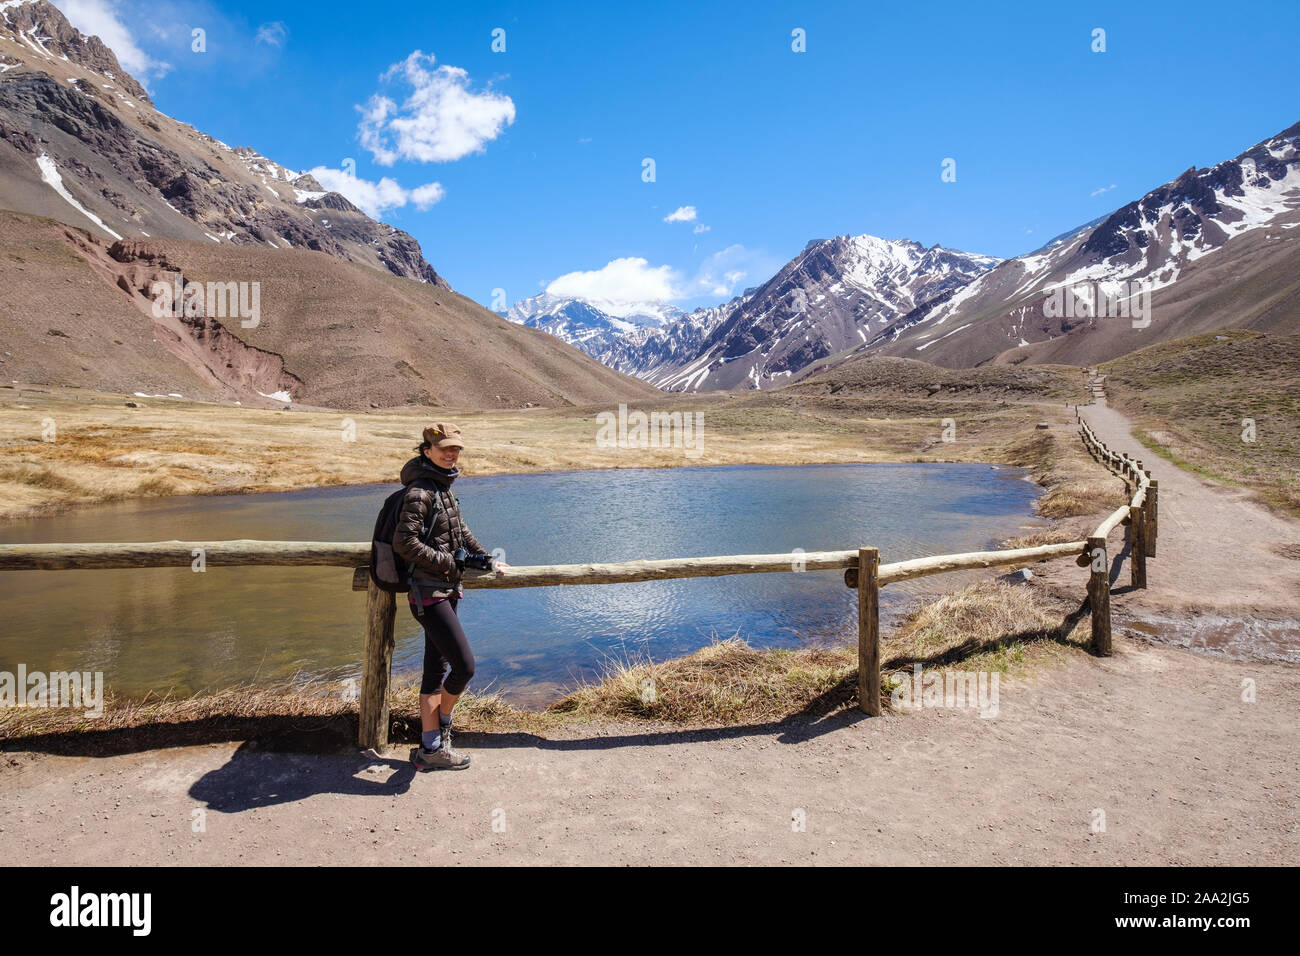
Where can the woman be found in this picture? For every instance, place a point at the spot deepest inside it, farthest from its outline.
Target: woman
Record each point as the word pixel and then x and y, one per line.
pixel 436 570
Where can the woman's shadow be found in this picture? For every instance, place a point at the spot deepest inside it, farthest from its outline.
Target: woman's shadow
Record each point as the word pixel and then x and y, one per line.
pixel 256 776
pixel 281 768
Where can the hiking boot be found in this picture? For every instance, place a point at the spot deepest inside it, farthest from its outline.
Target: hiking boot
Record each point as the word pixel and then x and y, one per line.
pixel 444 758
pixel 446 745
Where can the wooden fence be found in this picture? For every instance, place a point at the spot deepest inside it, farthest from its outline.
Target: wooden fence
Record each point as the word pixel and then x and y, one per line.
pixel 1140 515
pixel 861 566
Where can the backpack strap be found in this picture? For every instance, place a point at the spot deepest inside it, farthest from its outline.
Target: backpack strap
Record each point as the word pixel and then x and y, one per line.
pixel 433 513
pixel 424 539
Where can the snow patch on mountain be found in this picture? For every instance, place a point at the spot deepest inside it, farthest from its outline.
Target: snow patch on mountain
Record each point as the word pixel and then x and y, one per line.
pixel 50 174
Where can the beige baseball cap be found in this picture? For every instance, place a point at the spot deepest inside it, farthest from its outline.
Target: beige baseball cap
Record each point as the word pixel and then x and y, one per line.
pixel 443 436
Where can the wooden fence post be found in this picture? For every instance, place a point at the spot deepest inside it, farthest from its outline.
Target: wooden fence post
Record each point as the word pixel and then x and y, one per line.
pixel 1099 596
pixel 1152 509
pixel 1137 547
pixel 380 609
pixel 869 631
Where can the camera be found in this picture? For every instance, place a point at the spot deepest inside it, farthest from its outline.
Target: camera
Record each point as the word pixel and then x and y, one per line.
pixel 479 561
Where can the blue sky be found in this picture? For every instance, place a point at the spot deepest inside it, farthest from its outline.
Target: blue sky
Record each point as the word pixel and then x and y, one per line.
pixel 537 151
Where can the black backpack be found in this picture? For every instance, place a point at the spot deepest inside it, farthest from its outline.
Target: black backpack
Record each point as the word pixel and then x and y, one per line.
pixel 388 569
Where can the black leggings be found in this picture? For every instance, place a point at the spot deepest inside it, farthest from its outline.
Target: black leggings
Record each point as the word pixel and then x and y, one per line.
pixel 444 644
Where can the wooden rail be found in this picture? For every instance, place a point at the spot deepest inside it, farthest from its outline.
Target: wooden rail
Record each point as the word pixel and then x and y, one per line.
pixel 1140 517
pixel 923 567
pixel 862 571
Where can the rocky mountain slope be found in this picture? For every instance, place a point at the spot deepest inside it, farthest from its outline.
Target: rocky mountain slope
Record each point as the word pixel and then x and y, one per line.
pixel 80 141
pixel 579 321
pixel 879 376
pixel 645 339
pixel 104 200
pixel 1212 248
pixel 837 293
pixel 77 310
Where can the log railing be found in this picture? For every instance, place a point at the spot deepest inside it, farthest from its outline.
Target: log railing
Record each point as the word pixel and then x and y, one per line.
pixel 861 566
pixel 1139 514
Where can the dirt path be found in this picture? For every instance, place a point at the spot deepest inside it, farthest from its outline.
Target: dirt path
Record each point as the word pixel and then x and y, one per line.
pixel 1226 578
pixel 1218 550
pixel 1159 739
pixel 1164 743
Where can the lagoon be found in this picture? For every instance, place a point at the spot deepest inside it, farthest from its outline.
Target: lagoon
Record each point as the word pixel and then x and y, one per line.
pixel 171 629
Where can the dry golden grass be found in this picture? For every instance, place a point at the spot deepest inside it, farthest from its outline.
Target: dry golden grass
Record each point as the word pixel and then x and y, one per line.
pixel 1191 398
pixel 727 682
pixel 103 451
pixel 989 625
pixel 296 708
pixel 182 719
pixel 985 626
pixel 1076 485
pixel 1040 538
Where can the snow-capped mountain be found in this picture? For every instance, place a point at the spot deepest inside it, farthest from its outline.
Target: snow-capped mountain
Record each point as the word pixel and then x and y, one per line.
pixel 656 354
pixel 578 320
pixel 81 141
pixel 836 294
pixel 1207 230
pixel 1211 248
pixel 633 337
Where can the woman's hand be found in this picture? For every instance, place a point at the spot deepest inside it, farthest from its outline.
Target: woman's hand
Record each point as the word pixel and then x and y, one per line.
pixel 500 567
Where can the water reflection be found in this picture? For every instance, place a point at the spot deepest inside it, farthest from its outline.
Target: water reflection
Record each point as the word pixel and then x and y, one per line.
pixel 172 629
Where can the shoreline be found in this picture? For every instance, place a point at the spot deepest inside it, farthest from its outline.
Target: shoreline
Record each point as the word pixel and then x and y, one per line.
pixel 105 452
pixel 1006 435
pixel 72 507
pixel 724 683
pixel 534 693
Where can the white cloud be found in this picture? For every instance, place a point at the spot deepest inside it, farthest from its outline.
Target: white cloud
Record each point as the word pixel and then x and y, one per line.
pixel 442 119
pixel 699 228
pixel 425 196
pixel 376 198
pixel 722 274
pixel 99 18
pixel 632 279
pixel 683 214
pixel 1103 189
pixel 273 33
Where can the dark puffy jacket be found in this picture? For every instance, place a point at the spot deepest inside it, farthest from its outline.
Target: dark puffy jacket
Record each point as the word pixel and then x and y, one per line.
pixel 432 562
